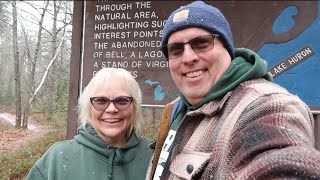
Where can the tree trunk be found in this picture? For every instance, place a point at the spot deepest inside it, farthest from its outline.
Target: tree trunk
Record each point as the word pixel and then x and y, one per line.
pixel 16 65
pixel 52 71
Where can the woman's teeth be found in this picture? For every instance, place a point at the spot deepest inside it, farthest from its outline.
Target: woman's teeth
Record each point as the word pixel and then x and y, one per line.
pixel 111 120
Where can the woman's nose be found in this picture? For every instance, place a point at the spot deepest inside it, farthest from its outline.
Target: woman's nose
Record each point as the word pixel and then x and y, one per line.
pixel 111 108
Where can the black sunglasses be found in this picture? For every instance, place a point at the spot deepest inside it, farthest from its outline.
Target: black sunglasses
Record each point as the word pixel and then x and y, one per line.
pixel 102 103
pixel 198 44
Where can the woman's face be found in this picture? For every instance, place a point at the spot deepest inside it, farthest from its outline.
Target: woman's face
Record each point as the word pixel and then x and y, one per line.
pixel 112 124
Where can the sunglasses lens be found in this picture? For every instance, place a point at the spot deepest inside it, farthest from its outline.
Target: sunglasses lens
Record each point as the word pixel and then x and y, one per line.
pixel 175 50
pixel 199 44
pixel 122 102
pixel 202 43
pixel 100 103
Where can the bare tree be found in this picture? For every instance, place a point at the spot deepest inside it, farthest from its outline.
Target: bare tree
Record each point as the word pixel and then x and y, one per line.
pixel 42 52
pixel 56 73
pixel 3 52
pixel 7 82
pixel 34 60
pixel 16 65
pixel 4 19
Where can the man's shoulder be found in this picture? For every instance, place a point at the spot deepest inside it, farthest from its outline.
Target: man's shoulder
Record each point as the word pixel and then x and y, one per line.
pixel 262 87
pixel 262 90
pixel 174 101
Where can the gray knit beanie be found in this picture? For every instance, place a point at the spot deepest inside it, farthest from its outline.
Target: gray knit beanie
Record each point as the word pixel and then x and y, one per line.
pixel 198 14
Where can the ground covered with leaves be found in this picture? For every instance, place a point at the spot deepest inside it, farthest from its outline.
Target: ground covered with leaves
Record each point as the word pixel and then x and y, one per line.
pixel 20 148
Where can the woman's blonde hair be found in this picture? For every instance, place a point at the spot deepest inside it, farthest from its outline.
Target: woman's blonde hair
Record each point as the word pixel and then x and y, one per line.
pixel 103 75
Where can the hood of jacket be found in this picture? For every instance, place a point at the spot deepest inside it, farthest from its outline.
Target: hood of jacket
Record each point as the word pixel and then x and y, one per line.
pixel 114 156
pixel 89 137
pixel 245 66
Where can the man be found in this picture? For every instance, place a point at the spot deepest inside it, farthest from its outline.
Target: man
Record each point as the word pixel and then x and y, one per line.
pixel 230 121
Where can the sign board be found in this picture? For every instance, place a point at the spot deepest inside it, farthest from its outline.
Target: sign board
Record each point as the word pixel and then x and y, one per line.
pixel 127 34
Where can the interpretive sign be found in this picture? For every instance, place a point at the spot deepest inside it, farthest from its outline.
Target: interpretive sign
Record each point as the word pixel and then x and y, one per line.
pixel 128 34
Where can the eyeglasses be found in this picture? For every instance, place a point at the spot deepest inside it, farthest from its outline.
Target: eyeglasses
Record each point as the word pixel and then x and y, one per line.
pixel 102 103
pixel 199 44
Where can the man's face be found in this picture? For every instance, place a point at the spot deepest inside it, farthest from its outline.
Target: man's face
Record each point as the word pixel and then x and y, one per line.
pixel 195 73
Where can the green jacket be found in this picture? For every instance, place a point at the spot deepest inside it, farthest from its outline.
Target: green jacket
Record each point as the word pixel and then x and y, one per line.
pixel 88 157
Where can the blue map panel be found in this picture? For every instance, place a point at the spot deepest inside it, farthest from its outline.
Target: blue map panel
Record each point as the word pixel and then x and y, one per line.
pixel 303 78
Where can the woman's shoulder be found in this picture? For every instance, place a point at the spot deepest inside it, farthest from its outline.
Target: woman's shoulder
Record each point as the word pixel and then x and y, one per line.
pixel 145 143
pixel 63 147
pixel 58 152
pixel 145 140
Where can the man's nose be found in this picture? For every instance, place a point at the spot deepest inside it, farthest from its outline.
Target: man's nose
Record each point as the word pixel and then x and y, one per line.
pixel 189 55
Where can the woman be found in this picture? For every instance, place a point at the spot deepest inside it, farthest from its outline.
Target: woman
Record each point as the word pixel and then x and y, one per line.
pixel 108 144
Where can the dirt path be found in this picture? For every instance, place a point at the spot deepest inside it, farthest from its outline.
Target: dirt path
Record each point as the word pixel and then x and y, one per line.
pixel 13 139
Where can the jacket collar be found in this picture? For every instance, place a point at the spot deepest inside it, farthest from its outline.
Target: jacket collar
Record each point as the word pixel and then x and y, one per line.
pixel 89 137
pixel 211 107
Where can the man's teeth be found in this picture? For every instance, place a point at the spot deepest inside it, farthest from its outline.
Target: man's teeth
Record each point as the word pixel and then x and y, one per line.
pixel 194 74
pixel 111 120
